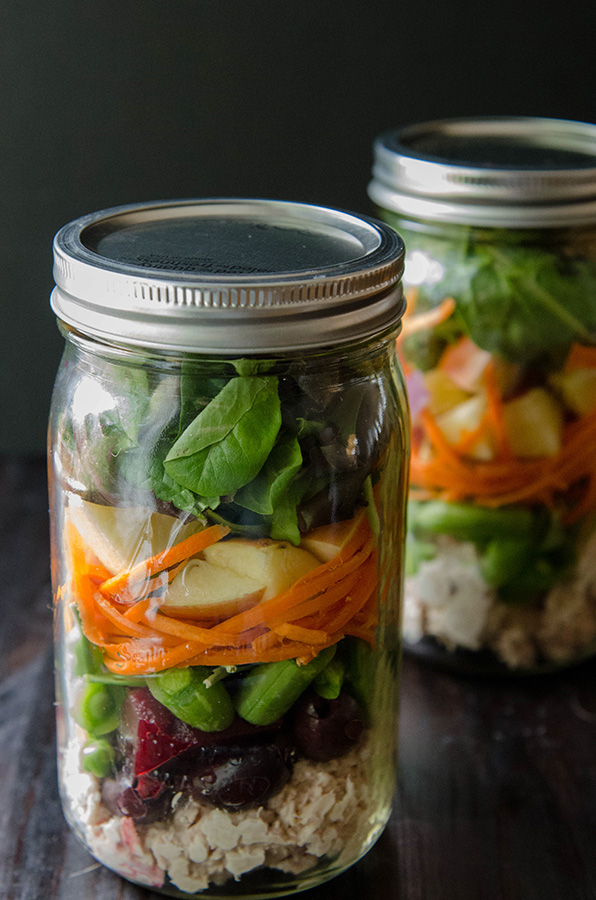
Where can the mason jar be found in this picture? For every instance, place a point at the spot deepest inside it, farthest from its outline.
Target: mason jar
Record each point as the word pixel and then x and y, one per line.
pixel 498 216
pixel 228 469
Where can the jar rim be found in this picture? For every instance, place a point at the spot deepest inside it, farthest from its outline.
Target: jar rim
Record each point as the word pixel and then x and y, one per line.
pixel 522 171
pixel 228 275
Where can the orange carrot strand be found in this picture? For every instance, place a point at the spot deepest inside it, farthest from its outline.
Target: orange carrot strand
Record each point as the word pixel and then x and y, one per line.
pixel 164 560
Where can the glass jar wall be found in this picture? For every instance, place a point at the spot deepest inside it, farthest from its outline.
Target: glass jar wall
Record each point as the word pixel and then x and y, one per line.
pixel 499 348
pixel 227 557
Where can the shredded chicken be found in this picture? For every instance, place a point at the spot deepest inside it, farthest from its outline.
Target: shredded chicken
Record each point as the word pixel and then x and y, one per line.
pixel 448 600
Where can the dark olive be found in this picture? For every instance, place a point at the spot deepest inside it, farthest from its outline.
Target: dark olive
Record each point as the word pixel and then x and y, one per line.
pixel 156 739
pixel 240 777
pixel 326 729
pixel 146 799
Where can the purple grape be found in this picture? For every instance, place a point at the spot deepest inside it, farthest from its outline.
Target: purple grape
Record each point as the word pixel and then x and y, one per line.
pixel 242 776
pixel 326 729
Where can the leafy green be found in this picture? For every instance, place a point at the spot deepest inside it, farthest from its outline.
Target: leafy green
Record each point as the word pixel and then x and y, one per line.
pixel 99 443
pixel 131 395
pixel 263 492
pixel 141 465
pixel 522 303
pixel 264 454
pixel 196 391
pixel 226 445
pixel 515 296
pixel 274 492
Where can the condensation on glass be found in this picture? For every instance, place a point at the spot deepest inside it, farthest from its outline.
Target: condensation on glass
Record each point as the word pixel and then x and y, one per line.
pixel 499 346
pixel 228 466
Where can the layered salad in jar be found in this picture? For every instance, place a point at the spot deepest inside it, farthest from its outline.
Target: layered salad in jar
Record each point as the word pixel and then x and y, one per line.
pixel 499 347
pixel 226 688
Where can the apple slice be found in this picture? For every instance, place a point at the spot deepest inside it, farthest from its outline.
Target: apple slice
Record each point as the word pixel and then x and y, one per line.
pixel 464 418
pixel 577 389
pixel 444 392
pixel 534 424
pixel 326 541
pixel 233 575
pixel 123 536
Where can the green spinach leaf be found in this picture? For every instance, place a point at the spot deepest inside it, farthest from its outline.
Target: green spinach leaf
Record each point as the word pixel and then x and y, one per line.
pixel 515 297
pixel 273 493
pixel 226 445
pixel 142 465
pixel 263 493
pixel 522 303
pixel 131 393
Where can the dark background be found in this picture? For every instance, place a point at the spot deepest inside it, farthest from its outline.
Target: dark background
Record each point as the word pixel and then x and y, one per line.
pixel 117 101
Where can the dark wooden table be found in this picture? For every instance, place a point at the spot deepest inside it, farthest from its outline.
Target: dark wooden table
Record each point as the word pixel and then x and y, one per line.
pixel 497 788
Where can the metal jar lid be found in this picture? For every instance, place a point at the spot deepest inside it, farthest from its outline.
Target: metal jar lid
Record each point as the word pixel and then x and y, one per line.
pixel 519 172
pixel 228 276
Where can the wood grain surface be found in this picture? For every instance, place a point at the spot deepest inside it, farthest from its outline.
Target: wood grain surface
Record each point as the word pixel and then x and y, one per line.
pixel 497 786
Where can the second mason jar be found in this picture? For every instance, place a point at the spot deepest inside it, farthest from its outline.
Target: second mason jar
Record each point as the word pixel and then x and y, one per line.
pixel 228 468
pixel 499 345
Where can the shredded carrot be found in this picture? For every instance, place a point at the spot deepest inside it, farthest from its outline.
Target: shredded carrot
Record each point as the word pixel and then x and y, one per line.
pixel 136 612
pixel 429 319
pixel 126 626
pixel 302 634
pixel 364 634
pixel 297 623
pixel 149 588
pixel 319 602
pixel 496 419
pixel 469 439
pixel 505 479
pixel 363 592
pixel 133 658
pixel 190 632
pixel 164 560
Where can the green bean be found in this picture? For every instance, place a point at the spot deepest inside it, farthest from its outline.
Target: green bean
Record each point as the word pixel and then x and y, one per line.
pixel 124 680
pixel 359 670
pixel 531 583
pixel 98 758
pixel 504 559
pixel 470 523
pixel 270 689
pixel 328 683
pixel 184 693
pixel 88 656
pixel 98 709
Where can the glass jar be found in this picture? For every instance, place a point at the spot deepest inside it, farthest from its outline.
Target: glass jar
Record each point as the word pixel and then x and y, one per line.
pixel 499 347
pixel 228 470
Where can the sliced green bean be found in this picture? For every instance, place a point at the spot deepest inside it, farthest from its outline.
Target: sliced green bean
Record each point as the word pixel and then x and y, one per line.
pixel 359 670
pixel 270 689
pixel 98 709
pixel 531 583
pixel 328 683
pixel 184 692
pixel 98 758
pixel 88 656
pixel 470 523
pixel 123 680
pixel 504 559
